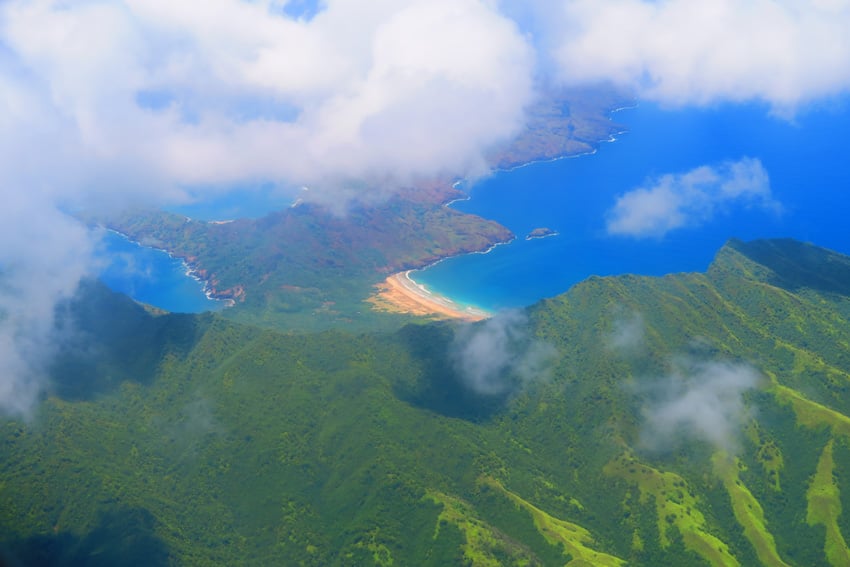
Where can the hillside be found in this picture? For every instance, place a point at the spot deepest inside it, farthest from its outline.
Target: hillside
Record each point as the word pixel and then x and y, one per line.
pixel 694 419
pixel 307 268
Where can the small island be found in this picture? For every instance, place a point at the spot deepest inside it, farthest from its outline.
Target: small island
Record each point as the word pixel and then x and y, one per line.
pixel 541 233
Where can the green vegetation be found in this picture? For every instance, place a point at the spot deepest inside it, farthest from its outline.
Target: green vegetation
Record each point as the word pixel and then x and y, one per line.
pixel 484 545
pixel 825 508
pixel 324 280
pixel 199 440
pixel 812 414
pixel 676 506
pixel 574 539
pixel 748 511
pixel 562 124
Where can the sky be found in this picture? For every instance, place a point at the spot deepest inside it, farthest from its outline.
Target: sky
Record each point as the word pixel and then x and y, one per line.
pixel 155 102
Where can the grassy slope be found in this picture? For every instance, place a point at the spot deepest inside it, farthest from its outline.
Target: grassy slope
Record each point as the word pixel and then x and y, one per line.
pixel 675 505
pixel 825 508
pixel 224 444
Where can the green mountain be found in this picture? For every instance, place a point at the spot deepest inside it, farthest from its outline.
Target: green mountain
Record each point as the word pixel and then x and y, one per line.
pixel 693 419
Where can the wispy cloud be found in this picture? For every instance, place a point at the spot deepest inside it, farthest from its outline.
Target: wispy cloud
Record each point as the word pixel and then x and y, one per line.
pixel 690 199
pixel 628 332
pixel 699 400
pixel 500 355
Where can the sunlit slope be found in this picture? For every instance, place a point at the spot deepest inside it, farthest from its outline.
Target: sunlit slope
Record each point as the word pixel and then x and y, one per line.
pixel 695 419
pixel 775 307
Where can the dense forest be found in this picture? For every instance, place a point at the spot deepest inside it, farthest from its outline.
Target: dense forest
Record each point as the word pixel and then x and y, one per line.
pixel 693 419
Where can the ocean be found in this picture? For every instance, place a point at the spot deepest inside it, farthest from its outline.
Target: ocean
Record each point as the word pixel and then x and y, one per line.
pixel 805 157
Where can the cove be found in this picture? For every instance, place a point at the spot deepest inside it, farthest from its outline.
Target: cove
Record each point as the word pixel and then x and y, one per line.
pixel 151 276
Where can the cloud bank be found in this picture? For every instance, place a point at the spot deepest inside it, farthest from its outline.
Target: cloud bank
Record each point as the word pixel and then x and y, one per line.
pixel 499 356
pixel 215 92
pixel 784 52
pixel 702 401
pixel 118 99
pixel 690 199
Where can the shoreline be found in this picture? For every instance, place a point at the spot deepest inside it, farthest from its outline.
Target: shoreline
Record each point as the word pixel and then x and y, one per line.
pixel 400 293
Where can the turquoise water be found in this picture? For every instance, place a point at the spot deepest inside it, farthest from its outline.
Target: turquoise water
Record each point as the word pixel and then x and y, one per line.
pixel 806 159
pixel 151 276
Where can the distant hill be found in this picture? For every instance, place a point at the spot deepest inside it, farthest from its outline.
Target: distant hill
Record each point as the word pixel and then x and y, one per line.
pixel 692 419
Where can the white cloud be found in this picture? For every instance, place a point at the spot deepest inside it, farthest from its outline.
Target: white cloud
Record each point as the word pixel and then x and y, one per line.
pixel 785 52
pixel 214 92
pixel 43 256
pixel 690 199
pixel 498 356
pixel 702 401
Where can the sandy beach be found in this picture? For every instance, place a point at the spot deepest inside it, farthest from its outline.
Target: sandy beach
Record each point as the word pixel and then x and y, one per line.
pixel 400 294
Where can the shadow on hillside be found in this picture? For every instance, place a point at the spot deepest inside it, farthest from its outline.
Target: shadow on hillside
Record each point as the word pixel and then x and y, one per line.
pixel 104 338
pixel 122 537
pixel 439 387
pixel 797 265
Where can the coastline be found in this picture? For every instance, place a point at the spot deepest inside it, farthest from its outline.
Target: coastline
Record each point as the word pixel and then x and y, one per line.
pixel 189 270
pixel 418 293
pixel 399 293
pixel 592 151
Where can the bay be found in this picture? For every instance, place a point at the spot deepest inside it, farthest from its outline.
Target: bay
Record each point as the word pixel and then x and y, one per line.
pixel 805 157
pixel 151 276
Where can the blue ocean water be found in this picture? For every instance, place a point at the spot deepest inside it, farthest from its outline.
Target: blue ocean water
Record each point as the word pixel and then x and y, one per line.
pixel 151 276
pixel 806 158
